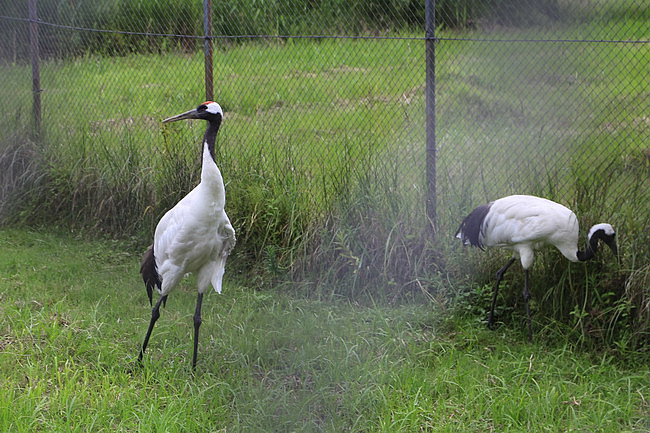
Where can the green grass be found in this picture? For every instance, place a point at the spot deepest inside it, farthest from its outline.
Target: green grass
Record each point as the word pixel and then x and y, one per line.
pixel 73 314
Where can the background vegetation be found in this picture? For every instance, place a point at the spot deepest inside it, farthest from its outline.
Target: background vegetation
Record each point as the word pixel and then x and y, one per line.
pixel 323 152
pixel 244 17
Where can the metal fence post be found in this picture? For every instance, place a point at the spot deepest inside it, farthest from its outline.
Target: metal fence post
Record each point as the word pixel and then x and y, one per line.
pixel 430 14
pixel 207 48
pixel 36 74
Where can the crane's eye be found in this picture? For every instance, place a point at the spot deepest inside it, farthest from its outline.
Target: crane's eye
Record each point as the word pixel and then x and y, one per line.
pixel 202 107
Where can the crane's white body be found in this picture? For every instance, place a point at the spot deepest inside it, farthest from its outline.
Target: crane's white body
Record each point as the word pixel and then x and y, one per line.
pixel 524 223
pixel 196 234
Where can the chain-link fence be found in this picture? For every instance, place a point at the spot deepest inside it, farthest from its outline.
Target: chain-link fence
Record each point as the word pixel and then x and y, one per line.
pixel 327 98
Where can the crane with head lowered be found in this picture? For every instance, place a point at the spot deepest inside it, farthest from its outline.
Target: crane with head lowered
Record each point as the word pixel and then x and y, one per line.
pixel 523 224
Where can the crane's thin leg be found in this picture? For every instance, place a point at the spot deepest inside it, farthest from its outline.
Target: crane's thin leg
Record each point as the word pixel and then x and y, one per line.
pixel 197 324
pixel 500 273
pixel 526 298
pixel 155 314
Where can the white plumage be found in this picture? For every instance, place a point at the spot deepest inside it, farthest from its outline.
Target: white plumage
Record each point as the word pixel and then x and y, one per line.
pixel 524 223
pixel 195 236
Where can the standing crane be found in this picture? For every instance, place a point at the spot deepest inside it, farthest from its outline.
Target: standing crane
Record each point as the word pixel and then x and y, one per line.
pixel 195 236
pixel 524 223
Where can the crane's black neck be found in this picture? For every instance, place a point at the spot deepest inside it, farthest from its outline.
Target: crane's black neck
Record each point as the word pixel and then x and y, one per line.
pixel 211 135
pixel 590 249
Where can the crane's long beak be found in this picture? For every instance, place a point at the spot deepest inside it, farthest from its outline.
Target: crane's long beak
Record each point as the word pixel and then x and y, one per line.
pixel 192 114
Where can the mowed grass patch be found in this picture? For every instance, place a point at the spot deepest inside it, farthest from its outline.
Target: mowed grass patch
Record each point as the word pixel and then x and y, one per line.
pixel 74 312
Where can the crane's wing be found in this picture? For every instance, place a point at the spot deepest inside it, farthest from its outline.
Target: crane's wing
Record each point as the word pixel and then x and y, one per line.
pixel 528 219
pixel 226 233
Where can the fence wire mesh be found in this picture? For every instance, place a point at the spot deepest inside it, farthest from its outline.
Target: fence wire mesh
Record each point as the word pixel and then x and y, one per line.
pixel 547 97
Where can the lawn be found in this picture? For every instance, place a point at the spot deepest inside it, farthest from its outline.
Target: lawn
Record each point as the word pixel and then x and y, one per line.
pixel 73 313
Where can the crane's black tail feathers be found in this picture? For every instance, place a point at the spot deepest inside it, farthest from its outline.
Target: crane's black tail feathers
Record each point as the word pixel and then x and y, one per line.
pixel 149 272
pixel 472 227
